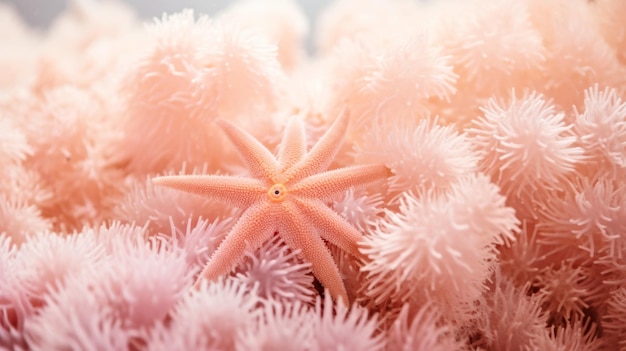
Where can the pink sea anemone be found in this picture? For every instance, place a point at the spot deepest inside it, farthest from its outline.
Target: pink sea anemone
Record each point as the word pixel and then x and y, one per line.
pixel 527 148
pixel 390 83
pixel 214 317
pixel 280 327
pixel 280 21
pixel 511 318
pixel 422 332
pixel 440 155
pixel 194 72
pixel 499 222
pixel 601 130
pixel 440 243
pixel 275 272
pixel 76 319
pixel 339 327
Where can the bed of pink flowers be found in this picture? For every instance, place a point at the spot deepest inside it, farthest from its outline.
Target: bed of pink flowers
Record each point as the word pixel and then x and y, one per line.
pixel 501 227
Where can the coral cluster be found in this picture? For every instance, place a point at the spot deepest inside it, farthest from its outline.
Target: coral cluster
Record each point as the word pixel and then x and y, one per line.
pixel 501 226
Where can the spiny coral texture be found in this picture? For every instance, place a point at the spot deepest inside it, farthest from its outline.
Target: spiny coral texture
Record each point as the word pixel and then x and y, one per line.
pixel 501 227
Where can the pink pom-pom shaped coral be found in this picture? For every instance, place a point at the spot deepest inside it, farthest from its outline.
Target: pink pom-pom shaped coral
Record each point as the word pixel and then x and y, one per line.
pixel 526 147
pixel 441 243
pixel 195 71
pixel 476 195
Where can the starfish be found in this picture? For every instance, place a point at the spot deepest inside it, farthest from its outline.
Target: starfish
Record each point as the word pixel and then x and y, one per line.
pixel 285 195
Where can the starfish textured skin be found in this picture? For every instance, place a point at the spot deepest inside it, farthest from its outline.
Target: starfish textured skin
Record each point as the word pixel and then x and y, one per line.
pixel 287 194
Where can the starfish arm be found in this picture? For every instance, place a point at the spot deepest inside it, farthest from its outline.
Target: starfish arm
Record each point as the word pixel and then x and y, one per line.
pixel 331 226
pixel 298 235
pixel 328 184
pixel 323 152
pixel 257 157
pixel 293 146
pixel 249 233
pixel 239 192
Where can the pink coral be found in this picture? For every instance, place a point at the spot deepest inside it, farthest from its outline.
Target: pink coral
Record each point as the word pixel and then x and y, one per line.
pixel 440 243
pixel 77 129
pixel 391 83
pixel 280 21
pixel 281 327
pixel 577 56
pixel 338 328
pixel 164 209
pixel 589 215
pixel 502 125
pixel 525 143
pixel 75 319
pixel 511 319
pixel 611 27
pixel 359 208
pixel 493 46
pixel 213 317
pixel 340 22
pixel 422 332
pixel 275 272
pixel 614 321
pixel 195 71
pixel 601 130
pixel 527 148
pixel 441 155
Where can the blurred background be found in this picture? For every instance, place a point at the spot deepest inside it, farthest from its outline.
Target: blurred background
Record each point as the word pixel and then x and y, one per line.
pixel 40 13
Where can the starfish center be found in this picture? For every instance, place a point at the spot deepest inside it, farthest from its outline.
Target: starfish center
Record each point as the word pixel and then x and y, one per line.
pixel 277 192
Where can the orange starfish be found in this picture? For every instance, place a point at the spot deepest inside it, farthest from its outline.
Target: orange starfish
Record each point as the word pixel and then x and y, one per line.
pixel 287 195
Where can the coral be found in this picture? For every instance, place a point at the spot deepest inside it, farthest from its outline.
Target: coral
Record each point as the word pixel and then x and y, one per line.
pixel 527 148
pixel 163 209
pixel 440 156
pixel 421 332
pixel 601 131
pixel 280 21
pixel 77 130
pixel 476 198
pixel 511 319
pixel 499 33
pixel 281 327
pixel 440 243
pixel 340 23
pixel 275 272
pixel 19 220
pixel 525 144
pixel 577 56
pixel 212 317
pixel 389 84
pixel 563 290
pixel 579 335
pixel 339 327
pixel 615 318
pixel 610 26
pixel 195 71
pixel 199 241
pixel 359 208
pixel 589 215
pixel 75 319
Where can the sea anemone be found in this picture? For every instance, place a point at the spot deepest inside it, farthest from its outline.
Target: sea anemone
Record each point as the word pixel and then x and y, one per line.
pixel 601 131
pixel 439 155
pixel 421 332
pixel 195 71
pixel 441 243
pixel 390 84
pixel 275 272
pixel 525 147
pixel 212 317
